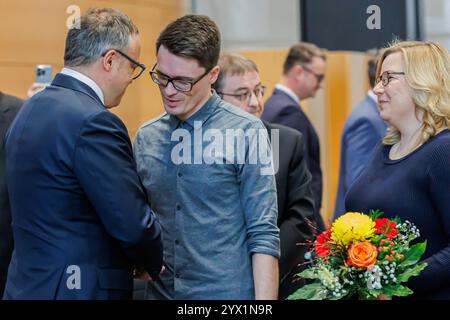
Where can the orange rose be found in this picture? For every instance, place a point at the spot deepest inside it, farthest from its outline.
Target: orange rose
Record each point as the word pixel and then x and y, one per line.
pixel 362 254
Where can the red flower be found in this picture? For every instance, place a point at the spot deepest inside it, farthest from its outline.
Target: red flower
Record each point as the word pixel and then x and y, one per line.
pixel 386 227
pixel 320 246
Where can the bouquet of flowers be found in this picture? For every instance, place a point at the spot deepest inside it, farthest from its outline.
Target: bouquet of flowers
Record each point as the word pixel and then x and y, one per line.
pixel 363 255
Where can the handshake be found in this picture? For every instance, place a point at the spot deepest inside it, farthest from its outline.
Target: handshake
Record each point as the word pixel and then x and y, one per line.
pixel 140 273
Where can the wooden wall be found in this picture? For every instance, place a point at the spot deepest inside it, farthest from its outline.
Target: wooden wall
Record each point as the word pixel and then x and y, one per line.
pixel 33 32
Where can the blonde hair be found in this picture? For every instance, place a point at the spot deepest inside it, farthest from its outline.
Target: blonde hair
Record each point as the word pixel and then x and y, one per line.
pixel 427 72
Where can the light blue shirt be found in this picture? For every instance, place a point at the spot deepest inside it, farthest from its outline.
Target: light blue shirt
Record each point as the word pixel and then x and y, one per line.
pixel 215 211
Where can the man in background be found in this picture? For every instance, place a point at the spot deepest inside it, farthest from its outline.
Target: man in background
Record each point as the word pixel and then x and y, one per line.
pixel 240 85
pixel 303 73
pixel 362 131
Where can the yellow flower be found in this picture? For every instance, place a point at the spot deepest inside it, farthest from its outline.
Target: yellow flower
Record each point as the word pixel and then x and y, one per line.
pixel 352 227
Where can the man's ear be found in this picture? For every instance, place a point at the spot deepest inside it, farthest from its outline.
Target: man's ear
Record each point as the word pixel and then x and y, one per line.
pixel 108 59
pixel 297 69
pixel 214 74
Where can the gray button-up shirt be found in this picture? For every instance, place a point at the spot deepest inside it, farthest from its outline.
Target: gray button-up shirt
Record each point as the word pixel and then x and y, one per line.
pixel 216 204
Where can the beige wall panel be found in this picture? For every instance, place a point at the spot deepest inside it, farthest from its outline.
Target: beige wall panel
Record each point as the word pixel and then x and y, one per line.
pixel 270 65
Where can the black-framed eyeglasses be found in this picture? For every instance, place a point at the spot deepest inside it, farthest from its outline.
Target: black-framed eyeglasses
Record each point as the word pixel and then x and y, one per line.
pixel 247 95
pixel 179 83
pixel 319 77
pixel 385 77
pixel 138 68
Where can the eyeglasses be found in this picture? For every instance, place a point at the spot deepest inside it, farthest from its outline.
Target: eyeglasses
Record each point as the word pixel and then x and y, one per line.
pixel 246 96
pixel 179 83
pixel 138 68
pixel 319 77
pixel 385 77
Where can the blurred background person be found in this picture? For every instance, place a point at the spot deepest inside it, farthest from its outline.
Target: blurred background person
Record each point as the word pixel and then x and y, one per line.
pixel 409 173
pixel 363 130
pixel 35 88
pixel 303 72
pixel 239 84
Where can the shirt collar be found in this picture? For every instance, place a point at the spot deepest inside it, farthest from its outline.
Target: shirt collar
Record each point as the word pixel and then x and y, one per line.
pixel 86 80
pixel 288 91
pixel 202 114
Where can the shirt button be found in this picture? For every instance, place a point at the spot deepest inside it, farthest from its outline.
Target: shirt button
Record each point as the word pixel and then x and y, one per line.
pixel 177 275
pixel 178 207
pixel 180 174
pixel 177 242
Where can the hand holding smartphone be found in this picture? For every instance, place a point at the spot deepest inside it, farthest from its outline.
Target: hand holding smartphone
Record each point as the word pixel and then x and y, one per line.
pixel 44 73
pixel 43 78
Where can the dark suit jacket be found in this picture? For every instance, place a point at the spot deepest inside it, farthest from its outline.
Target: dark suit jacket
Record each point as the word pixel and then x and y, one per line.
pixel 295 204
pixel 9 106
pixel 282 109
pixel 80 215
pixel 363 130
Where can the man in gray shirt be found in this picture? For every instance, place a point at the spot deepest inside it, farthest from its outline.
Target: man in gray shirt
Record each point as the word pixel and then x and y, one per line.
pixel 207 169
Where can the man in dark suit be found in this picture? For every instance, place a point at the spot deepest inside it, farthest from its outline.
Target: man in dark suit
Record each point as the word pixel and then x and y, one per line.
pixel 239 84
pixel 9 106
pixel 79 213
pixel 363 130
pixel 303 72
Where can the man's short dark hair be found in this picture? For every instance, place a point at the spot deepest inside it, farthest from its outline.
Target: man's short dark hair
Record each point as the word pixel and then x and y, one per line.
pixel 233 64
pixel 302 53
pixel 101 29
pixel 192 36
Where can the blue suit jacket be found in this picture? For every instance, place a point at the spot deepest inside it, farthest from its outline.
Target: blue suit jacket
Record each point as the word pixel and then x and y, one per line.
pixel 79 213
pixel 362 131
pixel 282 109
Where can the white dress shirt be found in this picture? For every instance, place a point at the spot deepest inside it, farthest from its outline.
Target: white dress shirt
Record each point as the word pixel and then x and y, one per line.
pixel 86 80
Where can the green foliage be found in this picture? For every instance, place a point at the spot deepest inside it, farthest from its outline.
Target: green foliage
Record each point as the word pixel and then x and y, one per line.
pixel 414 253
pixel 308 274
pixel 413 271
pixel 397 290
pixel 313 291
pixel 375 214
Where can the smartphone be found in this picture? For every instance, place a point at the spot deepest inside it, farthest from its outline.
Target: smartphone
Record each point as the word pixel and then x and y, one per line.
pixel 44 73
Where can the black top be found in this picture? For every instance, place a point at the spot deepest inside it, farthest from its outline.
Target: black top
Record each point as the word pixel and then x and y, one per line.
pixel 415 188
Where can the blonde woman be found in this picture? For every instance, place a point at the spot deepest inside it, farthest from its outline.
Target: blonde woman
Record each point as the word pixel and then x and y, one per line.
pixel 409 173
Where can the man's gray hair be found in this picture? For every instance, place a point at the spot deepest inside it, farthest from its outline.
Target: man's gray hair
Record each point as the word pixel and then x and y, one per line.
pixel 101 29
